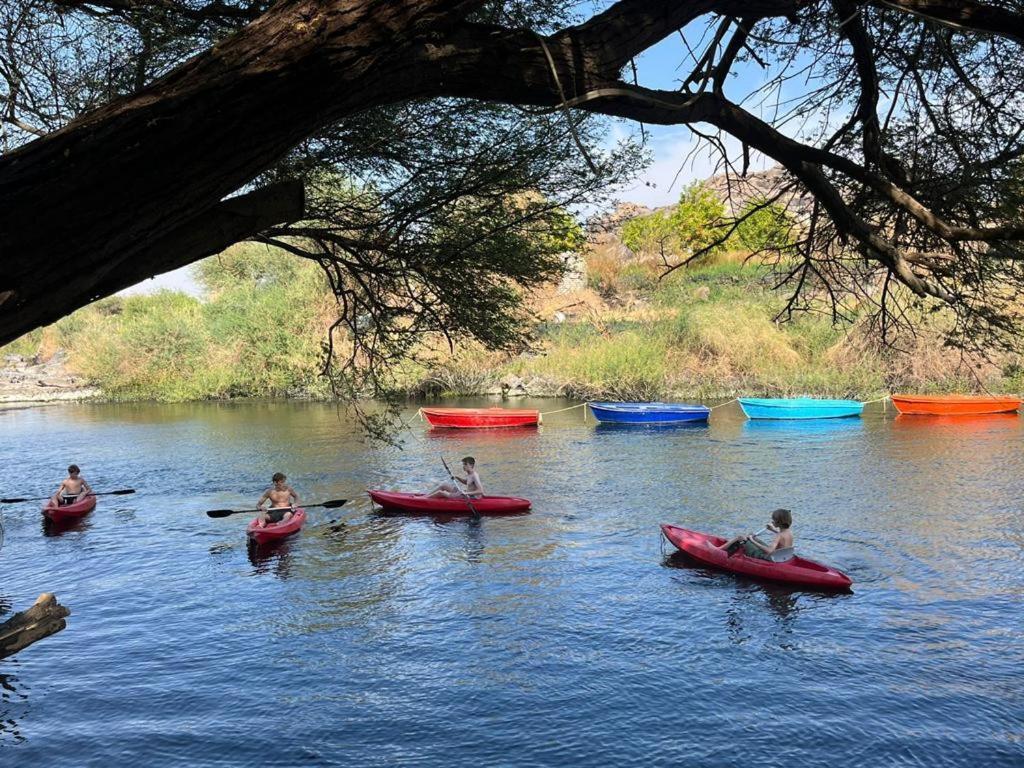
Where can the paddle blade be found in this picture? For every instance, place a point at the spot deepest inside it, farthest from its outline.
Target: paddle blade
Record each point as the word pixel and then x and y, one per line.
pixel 332 504
pixel 221 512
pixel 123 492
pixel 17 501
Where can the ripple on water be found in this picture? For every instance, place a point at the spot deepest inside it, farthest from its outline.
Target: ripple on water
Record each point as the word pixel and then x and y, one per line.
pixel 569 636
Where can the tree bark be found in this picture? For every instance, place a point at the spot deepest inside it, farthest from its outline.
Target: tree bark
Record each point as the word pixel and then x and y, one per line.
pixel 44 618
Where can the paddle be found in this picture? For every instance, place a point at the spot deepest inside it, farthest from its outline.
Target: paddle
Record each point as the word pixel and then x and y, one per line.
pixel 739 545
pixel 476 515
pixel 123 492
pixel 332 504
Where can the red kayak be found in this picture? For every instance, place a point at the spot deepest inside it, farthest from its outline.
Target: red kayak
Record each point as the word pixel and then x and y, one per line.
pixel 418 502
pixel 70 511
pixel 797 571
pixel 954 405
pixel 276 531
pixel 480 418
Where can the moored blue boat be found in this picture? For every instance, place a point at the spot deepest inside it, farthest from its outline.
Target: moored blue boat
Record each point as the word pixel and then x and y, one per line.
pixel 799 408
pixel 649 413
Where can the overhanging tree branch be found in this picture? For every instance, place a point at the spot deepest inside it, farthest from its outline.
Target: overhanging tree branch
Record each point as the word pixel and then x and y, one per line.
pixel 123 184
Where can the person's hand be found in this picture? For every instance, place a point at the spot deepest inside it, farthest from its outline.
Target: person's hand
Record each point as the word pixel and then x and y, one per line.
pixel 771 527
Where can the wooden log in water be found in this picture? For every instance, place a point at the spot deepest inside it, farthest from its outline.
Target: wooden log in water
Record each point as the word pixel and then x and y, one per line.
pixel 44 618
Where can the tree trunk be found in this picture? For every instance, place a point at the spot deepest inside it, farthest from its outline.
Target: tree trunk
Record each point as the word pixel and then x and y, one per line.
pixel 105 201
pixel 44 618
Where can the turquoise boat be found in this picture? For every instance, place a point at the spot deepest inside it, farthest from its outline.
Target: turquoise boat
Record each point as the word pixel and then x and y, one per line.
pixel 799 408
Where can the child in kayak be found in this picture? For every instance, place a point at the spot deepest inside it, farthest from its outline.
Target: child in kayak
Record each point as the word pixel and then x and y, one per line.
pixel 73 488
pixel 782 519
pixel 283 501
pixel 474 488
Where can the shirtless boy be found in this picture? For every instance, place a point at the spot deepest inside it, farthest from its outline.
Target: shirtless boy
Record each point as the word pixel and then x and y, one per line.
pixel 283 501
pixel 73 488
pixel 474 488
pixel 782 520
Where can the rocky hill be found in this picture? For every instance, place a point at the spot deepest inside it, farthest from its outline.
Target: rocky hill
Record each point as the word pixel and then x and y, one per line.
pixel 735 191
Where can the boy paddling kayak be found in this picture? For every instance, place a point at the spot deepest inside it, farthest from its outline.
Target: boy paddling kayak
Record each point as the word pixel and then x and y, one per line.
pixel 474 488
pixel 283 501
pixel 72 489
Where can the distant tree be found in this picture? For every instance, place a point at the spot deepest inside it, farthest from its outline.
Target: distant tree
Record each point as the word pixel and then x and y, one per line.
pixel 697 220
pixel 690 227
pixel 651 234
pixel 763 225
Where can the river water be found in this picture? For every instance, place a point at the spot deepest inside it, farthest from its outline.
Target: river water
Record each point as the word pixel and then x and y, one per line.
pixel 565 637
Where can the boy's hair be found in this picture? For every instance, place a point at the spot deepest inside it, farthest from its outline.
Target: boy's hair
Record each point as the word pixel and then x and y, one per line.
pixel 782 518
pixel 73 468
pixel 278 477
pixel 469 460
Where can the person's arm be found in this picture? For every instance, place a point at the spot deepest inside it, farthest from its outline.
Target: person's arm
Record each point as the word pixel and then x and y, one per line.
pixel 294 497
pixel 766 548
pixel 264 497
pixel 86 489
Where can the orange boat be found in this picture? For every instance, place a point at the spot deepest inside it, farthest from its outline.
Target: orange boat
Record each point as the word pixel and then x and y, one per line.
pixel 955 405
pixel 480 418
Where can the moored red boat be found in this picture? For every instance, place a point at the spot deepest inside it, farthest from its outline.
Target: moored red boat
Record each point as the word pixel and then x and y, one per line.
pixel 480 418
pixel 70 511
pixel 276 531
pixel 955 405
pixel 797 571
pixel 418 502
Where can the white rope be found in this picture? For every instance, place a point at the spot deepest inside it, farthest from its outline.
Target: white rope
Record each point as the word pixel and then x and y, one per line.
pixel 570 408
pixel 735 399
pixel 540 416
pixel 876 400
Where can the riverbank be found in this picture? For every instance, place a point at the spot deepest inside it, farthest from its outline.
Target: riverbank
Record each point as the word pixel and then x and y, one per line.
pixel 615 327
pixel 703 333
pixel 707 333
pixel 27 381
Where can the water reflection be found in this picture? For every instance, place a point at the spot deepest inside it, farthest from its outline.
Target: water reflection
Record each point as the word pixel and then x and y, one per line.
pixel 57 528
pixel 442 518
pixel 804 426
pixel 967 425
pixel 681 426
pixel 13 702
pixel 780 598
pixel 13 707
pixel 273 557
pixel 504 434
